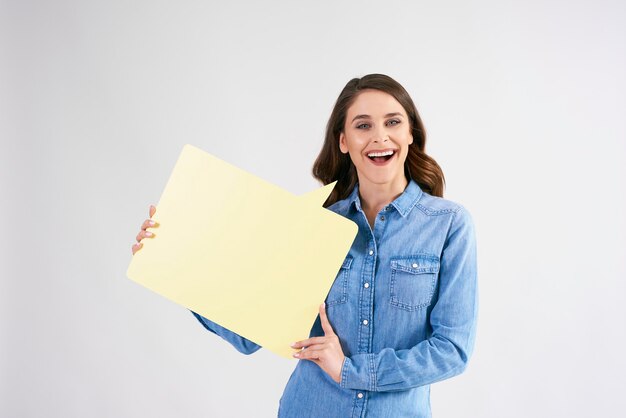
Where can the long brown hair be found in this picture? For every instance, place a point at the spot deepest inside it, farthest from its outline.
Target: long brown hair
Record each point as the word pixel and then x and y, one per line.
pixel 331 164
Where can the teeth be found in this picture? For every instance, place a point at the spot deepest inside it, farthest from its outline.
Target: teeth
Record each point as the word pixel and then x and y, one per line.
pixel 380 154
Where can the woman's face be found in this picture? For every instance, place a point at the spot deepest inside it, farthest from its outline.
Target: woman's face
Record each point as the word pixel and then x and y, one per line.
pixel 377 123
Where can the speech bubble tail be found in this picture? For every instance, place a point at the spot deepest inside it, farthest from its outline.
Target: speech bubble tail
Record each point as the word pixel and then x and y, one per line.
pixel 317 197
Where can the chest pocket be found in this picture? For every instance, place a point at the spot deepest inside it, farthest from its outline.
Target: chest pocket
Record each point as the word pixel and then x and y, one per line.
pixel 413 281
pixel 339 291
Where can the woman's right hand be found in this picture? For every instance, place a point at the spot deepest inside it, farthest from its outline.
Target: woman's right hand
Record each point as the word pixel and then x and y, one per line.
pixel 148 223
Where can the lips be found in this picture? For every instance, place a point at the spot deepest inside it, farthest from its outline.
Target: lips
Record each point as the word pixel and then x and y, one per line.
pixel 380 161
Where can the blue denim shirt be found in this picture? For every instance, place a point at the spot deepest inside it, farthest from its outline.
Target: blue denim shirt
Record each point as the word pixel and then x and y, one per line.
pixel 404 306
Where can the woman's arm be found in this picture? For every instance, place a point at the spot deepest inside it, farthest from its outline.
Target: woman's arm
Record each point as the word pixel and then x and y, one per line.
pixel 453 320
pixel 242 344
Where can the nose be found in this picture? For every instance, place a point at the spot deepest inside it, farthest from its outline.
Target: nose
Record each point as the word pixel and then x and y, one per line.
pixel 380 135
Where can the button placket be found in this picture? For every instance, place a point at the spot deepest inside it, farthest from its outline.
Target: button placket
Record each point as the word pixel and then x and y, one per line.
pixel 366 299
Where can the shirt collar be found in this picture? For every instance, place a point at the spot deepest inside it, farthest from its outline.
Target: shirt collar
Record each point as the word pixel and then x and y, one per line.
pixel 403 203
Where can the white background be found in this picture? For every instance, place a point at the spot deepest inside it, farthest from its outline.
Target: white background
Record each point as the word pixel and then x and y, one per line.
pixel 524 106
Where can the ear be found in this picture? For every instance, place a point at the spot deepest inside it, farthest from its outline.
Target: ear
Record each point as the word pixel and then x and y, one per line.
pixel 342 143
pixel 411 141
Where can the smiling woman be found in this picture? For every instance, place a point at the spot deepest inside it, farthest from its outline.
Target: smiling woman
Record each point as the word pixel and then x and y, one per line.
pixel 401 313
pixel 408 317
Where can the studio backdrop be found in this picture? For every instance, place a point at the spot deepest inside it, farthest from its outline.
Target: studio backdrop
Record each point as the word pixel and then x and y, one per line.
pixel 523 104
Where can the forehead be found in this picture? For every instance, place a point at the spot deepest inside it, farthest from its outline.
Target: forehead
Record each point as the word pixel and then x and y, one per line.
pixel 374 103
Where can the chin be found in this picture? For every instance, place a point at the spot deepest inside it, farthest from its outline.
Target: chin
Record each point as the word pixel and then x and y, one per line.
pixel 384 179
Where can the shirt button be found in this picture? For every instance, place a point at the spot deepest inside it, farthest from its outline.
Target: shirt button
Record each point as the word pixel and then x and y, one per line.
pixel 359 395
pixel 371 252
pixel 366 285
pixel 414 265
pixel 382 217
pixel 365 322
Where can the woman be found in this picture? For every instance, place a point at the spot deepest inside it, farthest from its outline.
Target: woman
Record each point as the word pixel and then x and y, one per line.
pixel 401 313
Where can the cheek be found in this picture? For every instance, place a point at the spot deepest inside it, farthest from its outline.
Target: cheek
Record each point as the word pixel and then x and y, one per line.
pixel 404 151
pixel 355 157
pixel 350 144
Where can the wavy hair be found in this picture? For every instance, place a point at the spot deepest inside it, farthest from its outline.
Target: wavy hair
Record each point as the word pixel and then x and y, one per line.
pixel 332 165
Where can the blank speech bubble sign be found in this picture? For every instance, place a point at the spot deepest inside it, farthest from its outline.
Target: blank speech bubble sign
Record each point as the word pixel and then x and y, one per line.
pixel 243 252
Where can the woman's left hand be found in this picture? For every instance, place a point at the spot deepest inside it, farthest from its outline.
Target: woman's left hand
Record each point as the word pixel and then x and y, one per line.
pixel 324 351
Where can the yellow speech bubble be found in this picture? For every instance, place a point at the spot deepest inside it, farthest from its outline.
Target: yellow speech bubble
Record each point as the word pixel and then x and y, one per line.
pixel 243 252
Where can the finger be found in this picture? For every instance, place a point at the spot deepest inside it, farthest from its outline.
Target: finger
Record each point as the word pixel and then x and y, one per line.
pixel 309 354
pixel 136 247
pixel 144 234
pixel 149 223
pixel 314 360
pixel 152 210
pixel 328 329
pixel 308 342
pixel 313 347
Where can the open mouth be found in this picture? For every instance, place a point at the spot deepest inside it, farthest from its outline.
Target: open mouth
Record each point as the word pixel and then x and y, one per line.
pixel 380 158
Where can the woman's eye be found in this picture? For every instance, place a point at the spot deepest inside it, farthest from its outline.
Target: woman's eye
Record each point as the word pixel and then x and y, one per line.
pixel 363 126
pixel 393 122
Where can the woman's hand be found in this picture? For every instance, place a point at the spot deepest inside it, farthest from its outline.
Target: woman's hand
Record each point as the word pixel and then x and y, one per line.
pixel 324 351
pixel 148 223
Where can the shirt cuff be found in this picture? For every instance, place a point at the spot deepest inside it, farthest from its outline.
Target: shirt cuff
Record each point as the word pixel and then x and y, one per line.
pixel 358 372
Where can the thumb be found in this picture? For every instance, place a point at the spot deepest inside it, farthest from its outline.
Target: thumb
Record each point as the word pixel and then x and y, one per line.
pixel 328 329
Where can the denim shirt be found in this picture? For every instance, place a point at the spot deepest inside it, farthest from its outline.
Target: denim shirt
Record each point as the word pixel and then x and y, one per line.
pixel 404 306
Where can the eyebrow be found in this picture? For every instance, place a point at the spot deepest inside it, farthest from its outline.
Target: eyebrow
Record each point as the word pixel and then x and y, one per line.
pixel 388 115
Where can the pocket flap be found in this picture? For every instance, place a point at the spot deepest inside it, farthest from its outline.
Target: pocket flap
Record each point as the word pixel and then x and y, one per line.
pixel 416 264
pixel 347 262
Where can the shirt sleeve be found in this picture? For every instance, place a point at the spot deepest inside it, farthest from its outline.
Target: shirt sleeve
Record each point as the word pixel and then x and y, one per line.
pixel 242 344
pixel 453 320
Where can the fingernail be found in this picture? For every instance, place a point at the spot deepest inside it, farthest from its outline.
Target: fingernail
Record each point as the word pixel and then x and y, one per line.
pixel 292 344
pixel 148 233
pixel 151 222
pixel 296 354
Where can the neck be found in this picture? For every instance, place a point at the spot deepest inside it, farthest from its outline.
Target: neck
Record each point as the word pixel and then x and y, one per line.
pixel 375 196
